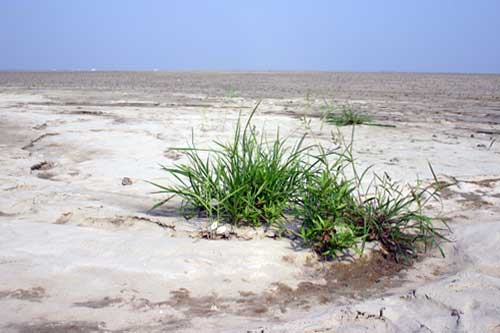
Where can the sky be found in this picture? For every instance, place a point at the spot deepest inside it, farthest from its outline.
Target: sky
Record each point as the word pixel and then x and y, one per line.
pixel 253 35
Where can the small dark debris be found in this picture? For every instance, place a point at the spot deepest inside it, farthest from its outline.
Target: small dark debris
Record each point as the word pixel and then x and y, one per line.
pixel 126 181
pixel 364 315
pixel 456 313
pixel 32 142
pixel 89 113
pixel 43 166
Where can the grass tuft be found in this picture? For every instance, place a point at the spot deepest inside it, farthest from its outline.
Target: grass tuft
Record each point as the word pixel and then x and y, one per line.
pixel 252 181
pixel 345 116
pixel 246 181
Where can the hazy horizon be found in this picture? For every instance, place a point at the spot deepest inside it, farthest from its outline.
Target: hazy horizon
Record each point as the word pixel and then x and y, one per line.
pixel 229 71
pixel 224 36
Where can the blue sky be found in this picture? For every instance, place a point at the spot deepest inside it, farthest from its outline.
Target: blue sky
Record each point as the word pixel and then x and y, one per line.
pixel 326 35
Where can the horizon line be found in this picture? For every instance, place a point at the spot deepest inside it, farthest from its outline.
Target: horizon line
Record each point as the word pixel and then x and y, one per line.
pixel 241 71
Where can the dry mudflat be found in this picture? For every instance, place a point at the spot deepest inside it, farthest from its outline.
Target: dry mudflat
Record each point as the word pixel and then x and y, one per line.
pixel 81 251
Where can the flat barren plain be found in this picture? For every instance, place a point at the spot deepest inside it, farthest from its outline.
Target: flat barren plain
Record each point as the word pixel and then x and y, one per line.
pixel 82 251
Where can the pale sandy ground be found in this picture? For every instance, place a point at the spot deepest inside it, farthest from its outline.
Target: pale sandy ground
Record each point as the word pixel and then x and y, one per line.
pixel 81 252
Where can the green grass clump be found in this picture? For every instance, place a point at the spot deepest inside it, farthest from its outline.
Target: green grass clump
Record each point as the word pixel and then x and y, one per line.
pixel 323 206
pixel 347 116
pixel 337 213
pixel 245 181
pixel 252 181
pixel 394 216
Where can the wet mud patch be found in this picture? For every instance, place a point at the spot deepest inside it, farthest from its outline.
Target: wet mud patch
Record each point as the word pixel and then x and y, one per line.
pixel 204 306
pixel 473 200
pixel 488 182
pixel 365 278
pixel 181 300
pixel 472 194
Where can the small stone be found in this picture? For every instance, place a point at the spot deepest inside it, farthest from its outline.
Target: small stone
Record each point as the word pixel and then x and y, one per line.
pixel 221 230
pixel 126 181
